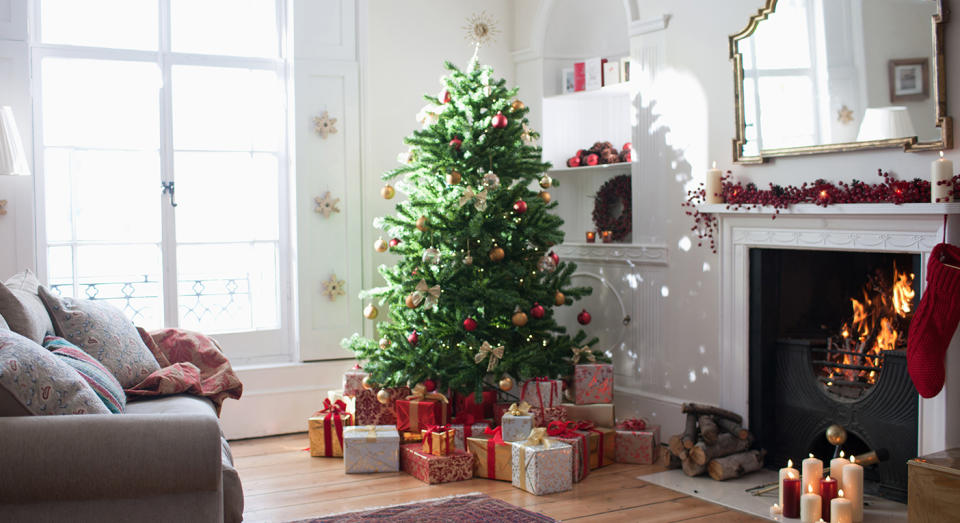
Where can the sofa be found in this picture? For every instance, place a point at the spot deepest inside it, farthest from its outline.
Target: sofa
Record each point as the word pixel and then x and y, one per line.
pixel 162 459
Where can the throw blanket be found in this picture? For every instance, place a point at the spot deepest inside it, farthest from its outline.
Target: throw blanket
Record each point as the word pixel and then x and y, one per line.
pixel 190 363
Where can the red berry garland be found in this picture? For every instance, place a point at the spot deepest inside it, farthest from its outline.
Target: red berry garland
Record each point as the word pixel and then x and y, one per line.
pixel 613 191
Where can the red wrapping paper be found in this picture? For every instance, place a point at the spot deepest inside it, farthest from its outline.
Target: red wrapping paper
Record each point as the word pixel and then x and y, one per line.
pixel 543 417
pixel 428 468
pixel 414 415
pixel 565 431
pixel 466 404
pixel 372 412
pixel 636 445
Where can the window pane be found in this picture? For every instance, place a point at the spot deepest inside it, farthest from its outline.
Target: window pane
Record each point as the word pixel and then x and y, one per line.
pixel 123 24
pixel 60 269
pixel 226 197
pixel 219 108
pixel 100 104
pixel 116 195
pixel 127 276
pixel 228 287
pixel 58 203
pixel 783 40
pixel 225 27
pixel 789 113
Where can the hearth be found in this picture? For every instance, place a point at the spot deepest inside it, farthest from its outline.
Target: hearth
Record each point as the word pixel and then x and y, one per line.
pixel 827 346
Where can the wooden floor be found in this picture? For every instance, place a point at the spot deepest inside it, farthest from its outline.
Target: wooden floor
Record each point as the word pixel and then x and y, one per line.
pixel 282 482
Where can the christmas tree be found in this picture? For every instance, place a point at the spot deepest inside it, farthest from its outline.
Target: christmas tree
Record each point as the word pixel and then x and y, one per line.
pixel 471 298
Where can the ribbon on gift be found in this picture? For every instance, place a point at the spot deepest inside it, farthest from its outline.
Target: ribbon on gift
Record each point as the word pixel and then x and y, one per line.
pixel 538 436
pixel 538 381
pixel 585 352
pixel 333 410
pixel 496 438
pixel 496 354
pixel 632 424
pixel 523 409
pixel 444 442
pixel 479 199
pixel 567 430
pixel 372 434
pixel 466 419
pixel 424 292
pixel 418 394
pixel 589 426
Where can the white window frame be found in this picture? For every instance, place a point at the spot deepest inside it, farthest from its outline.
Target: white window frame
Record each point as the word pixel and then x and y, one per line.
pixel 253 347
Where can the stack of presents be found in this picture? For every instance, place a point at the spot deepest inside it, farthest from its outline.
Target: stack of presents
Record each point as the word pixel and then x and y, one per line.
pixel 538 443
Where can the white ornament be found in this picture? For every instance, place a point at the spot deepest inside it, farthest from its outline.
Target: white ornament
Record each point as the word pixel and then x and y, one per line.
pixel 491 181
pixel 546 264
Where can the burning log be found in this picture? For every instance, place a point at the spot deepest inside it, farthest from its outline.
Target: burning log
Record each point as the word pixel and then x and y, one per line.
pixel 710 410
pixel 733 428
pixel 709 430
pixel 735 465
pixel 668 459
pixel 690 431
pixel 726 444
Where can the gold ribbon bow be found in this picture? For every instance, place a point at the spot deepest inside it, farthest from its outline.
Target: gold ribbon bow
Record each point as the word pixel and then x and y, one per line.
pixel 496 354
pixel 585 351
pixel 538 436
pixel 479 199
pixel 522 409
pixel 430 294
pixel 419 393
pixel 372 433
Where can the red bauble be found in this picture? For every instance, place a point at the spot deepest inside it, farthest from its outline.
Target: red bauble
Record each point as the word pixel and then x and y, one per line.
pixel 591 159
pixel 444 96
pixel 555 258
pixel 394 242
pixel 430 385
pixel 414 339
pixel 627 147
pixel 537 311
pixel 584 317
pixel 520 207
pixel 470 324
pixel 580 153
pixel 573 162
pixel 499 121
pixel 456 143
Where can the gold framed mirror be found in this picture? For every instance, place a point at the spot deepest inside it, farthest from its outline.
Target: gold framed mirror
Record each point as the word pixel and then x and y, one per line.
pixel 821 76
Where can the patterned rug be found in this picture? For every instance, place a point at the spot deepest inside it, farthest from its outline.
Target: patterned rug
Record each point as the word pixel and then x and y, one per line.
pixel 467 508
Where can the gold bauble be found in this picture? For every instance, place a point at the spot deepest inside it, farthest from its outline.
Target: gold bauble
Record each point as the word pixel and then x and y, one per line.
pixel 546 182
pixel 380 245
pixel 559 298
pixel 409 301
pixel 388 192
pixel 384 343
pixel 383 396
pixel 506 384
pixel 517 105
pixel 422 223
pixel 519 318
pixel 545 196
pixel 370 311
pixel 836 435
pixel 496 254
pixel 367 383
pixel 468 260
pixel 453 178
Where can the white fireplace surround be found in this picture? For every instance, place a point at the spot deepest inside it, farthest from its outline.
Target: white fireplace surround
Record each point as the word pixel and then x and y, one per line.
pixel 908 228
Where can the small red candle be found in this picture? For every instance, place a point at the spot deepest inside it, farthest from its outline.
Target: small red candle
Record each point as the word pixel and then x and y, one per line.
pixel 591 236
pixel 791 497
pixel 607 236
pixel 828 491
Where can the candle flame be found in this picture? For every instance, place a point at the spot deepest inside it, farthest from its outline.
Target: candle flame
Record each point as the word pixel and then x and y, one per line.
pixel 715 162
pixel 841 453
pixel 789 463
pixel 810 488
pixel 828 477
pixel 853 459
pixel 811 454
pixel 941 156
pixel 840 493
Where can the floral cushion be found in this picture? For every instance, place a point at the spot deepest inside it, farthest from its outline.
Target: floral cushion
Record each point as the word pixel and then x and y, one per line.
pixel 41 382
pixel 107 387
pixel 22 309
pixel 103 332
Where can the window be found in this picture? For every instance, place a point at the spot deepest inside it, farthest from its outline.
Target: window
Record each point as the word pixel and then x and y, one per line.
pixel 141 104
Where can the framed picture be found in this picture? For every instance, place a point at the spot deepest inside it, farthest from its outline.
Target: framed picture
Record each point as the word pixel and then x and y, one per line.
pixel 566 80
pixel 909 79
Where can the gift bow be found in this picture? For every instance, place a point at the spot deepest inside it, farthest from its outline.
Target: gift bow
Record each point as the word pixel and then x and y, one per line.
pixel 496 354
pixel 563 429
pixel 585 425
pixel 437 429
pixel 585 351
pixel 336 407
pixel 419 393
pixel 538 436
pixel 522 409
pixel 496 435
pixel 431 294
pixel 479 199
pixel 632 424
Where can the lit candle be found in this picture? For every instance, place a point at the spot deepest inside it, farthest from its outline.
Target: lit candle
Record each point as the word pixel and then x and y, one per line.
pixel 812 473
pixel 836 468
pixel 841 510
pixel 607 236
pixel 785 472
pixel 591 236
pixel 810 506
pixel 853 487
pixel 791 497
pixel 941 170
pixel 714 186
pixel 828 491
pixel 775 510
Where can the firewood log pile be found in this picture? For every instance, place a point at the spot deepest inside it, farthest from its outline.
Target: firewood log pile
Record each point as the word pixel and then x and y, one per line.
pixel 713 441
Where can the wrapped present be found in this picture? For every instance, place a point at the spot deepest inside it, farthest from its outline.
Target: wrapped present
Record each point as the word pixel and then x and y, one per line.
pixel 565 431
pixel 517 422
pixel 326 429
pixel 430 468
pixel 371 412
pixel 541 392
pixel 600 414
pixel 353 381
pixel 543 417
pixel 637 442
pixel 410 437
pixel 350 401
pixel 438 440
pixel 466 426
pixel 371 448
pixel 542 465
pixel 498 411
pixel 422 409
pixel 466 404
pixel 492 456
pixel 592 383
pixel 601 443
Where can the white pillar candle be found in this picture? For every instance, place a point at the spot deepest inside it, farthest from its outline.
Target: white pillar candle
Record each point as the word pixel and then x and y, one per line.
pixel 812 474
pixel 853 489
pixel 940 170
pixel 841 509
pixel 713 185
pixel 836 469
pixel 787 472
pixel 810 507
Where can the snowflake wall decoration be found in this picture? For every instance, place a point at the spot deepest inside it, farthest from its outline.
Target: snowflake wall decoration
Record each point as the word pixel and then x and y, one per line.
pixel 481 29
pixel 844 115
pixel 333 287
pixel 324 125
pixel 326 205
pixel 3 207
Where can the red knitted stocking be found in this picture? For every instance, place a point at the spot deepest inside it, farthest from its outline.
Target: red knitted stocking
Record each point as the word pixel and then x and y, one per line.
pixel 935 321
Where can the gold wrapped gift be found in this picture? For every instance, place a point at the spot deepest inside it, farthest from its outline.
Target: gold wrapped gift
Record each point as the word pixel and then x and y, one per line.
pixel 498 466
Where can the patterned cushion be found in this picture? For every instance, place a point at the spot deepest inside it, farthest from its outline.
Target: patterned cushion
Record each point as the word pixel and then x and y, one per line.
pixel 103 332
pixel 22 309
pixel 101 381
pixel 41 382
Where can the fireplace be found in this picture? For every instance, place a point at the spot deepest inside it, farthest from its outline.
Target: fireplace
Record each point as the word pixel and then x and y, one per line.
pixel 827 347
